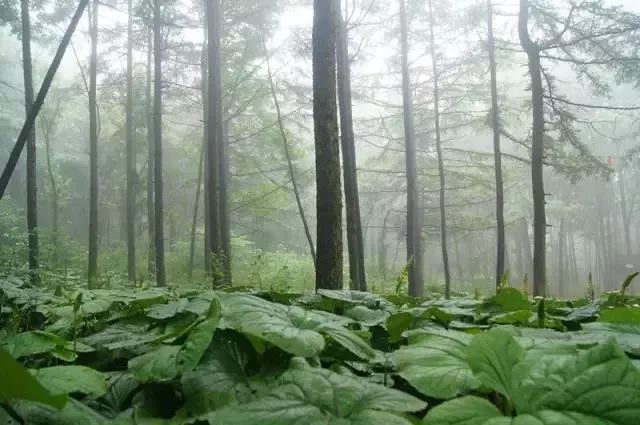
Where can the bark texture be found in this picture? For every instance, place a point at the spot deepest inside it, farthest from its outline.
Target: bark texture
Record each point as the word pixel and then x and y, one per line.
pixel 157 145
pixel 93 150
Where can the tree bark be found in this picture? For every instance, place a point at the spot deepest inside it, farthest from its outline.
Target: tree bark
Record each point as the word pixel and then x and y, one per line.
pixel 285 143
pixel 205 138
pixel 537 152
pixel 436 116
pixel 131 164
pixel 355 242
pixel 562 255
pixel 157 146
pixel 32 196
pixel 194 221
pixel 214 136
pixel 151 221
pixel 29 123
pixel 495 125
pixel 93 150
pixel 414 230
pixel 325 119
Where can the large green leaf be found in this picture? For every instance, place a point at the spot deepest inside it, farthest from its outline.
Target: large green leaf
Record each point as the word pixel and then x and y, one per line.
pixel 72 379
pixel 39 342
pixel 18 384
pixel 496 360
pixel 307 395
pixel 157 365
pixel 436 364
pixel 199 339
pixel 467 410
pixel 290 328
pixel 600 384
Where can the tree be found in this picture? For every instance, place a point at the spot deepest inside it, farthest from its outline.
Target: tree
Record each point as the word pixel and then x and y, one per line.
pixel 325 121
pixel 355 243
pixel 214 139
pixel 497 154
pixel 414 229
pixel 32 197
pixel 130 154
pixel 93 148
pixel 157 145
pixel 436 118
pixel 151 221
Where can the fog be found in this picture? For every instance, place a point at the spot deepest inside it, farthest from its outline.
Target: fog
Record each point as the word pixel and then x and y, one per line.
pixel 591 167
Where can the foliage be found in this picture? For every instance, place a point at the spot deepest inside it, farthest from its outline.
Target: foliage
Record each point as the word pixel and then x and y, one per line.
pixel 129 355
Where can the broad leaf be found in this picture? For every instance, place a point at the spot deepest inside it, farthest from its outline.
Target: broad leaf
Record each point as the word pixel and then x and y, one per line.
pixel 72 379
pixel 40 342
pixel 467 410
pixel 157 365
pixel 436 364
pixel 199 339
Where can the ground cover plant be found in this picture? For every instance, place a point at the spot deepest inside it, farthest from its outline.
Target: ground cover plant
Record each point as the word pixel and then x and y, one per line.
pixel 192 356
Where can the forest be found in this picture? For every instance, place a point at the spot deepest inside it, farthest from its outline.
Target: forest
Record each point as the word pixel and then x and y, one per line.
pixel 323 212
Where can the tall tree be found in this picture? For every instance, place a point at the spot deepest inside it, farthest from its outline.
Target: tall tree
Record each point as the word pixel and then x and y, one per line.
pixel 355 243
pixel 151 221
pixel 157 145
pixel 48 123
pixel 537 151
pixel 325 121
pixel 93 148
pixel 32 197
pixel 214 139
pixel 414 229
pixel 130 154
pixel 497 155
pixel 436 118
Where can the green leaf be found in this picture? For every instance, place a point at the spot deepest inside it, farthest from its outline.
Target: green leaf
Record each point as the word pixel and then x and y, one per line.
pixel 18 384
pixel 40 342
pixel 290 328
pixel 307 395
pixel 436 364
pixel 72 379
pixel 600 385
pixel 167 311
pixel 625 315
pixel 398 323
pixel 518 317
pixel 199 339
pixel 367 316
pixel 467 410
pixel 157 365
pixel 350 341
pixel 508 299
pixel 495 358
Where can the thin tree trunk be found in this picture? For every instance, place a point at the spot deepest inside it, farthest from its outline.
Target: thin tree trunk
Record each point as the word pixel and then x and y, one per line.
pixel 47 128
pixel 325 119
pixel 194 222
pixel 205 138
pixel 131 164
pixel 436 112
pixel 93 149
pixel 626 219
pixel 157 145
pixel 214 135
pixel 537 152
pixel 382 248
pixel 414 230
pixel 495 125
pixel 29 123
pixel 561 258
pixel 151 220
pixel 355 241
pixel 285 143
pixel 225 220
pixel 32 196
pixel 528 256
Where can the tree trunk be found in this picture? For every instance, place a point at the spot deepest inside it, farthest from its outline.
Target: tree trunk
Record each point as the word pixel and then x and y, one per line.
pixel 205 139
pixel 537 152
pixel 325 119
pixel 225 220
pixel 47 128
pixel 287 155
pixel 414 230
pixel 355 241
pixel 626 217
pixel 131 164
pixel 561 259
pixel 528 256
pixel 382 248
pixel 157 145
pixel 436 113
pixel 194 222
pixel 93 150
pixel 32 197
pixel 151 221
pixel 497 155
pixel 214 135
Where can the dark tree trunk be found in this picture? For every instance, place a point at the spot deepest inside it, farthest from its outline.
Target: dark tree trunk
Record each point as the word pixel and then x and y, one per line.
pixel 355 241
pixel 205 141
pixel 497 155
pixel 562 255
pixel 93 150
pixel 325 119
pixel 537 152
pixel 131 163
pixel 436 112
pixel 32 197
pixel 151 220
pixel 194 221
pixel 157 145
pixel 414 230
pixel 225 220
pixel 285 142
pixel 214 136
